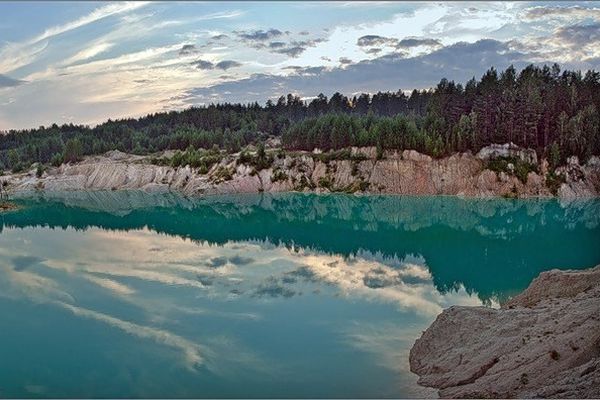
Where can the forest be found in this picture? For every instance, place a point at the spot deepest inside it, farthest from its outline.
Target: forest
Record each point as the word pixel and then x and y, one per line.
pixel 554 112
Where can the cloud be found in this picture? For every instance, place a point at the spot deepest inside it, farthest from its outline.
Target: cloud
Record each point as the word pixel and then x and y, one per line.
pixel 276 45
pixel 96 15
pixel 416 42
pixel 188 49
pixel 345 60
pixel 295 47
pixel 203 64
pixel 580 34
pixel 546 12
pixel 240 260
pixel 192 352
pixel 374 40
pixel 21 263
pixel 272 287
pixel 7 81
pixel 220 37
pixel 226 64
pixel 222 65
pixel 293 51
pixel 260 35
pixel 374 50
pixel 406 43
pixel 458 62
pixel 89 52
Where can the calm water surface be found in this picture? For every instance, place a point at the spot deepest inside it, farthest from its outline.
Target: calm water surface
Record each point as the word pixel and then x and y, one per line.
pixel 124 294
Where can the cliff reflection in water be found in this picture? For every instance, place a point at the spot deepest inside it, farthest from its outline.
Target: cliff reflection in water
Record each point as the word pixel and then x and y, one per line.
pixel 491 247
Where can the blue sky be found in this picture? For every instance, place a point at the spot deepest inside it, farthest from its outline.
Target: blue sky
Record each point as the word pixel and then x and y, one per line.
pixel 86 62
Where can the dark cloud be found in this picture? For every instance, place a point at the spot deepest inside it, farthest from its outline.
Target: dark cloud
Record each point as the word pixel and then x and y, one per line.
pixel 303 272
pixel 220 37
pixel 374 50
pixel 375 40
pixel 217 262
pixel 415 42
pixel 306 70
pixel 7 81
pixel 296 47
pixel 260 35
pixel 222 65
pixel 345 60
pixel 458 62
pixel 293 52
pixel 239 260
pixel 226 64
pixel 304 33
pixel 202 64
pixel 188 49
pixel 271 287
pixel 406 43
pixel 276 45
pixel 21 263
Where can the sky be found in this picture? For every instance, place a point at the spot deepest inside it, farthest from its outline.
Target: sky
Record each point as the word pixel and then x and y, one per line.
pixel 86 62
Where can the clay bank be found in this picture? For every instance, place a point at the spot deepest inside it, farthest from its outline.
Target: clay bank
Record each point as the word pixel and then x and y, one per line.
pixel 498 170
pixel 544 342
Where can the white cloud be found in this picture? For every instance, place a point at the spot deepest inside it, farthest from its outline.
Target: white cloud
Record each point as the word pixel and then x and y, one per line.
pixel 96 15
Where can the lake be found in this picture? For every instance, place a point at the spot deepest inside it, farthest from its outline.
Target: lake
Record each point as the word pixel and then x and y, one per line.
pixel 127 294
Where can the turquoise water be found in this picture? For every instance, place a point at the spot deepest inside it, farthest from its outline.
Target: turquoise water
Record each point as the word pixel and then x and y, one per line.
pixel 125 294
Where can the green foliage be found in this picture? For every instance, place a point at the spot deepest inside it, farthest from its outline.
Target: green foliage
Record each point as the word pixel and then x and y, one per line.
pixel 554 156
pixel 261 160
pixel 73 151
pixel 39 171
pixel 553 182
pixel 512 166
pixel 279 176
pixel 56 160
pixel 325 182
pixel 222 174
pixel 304 183
pixel 203 160
pixel 13 158
pixel 538 107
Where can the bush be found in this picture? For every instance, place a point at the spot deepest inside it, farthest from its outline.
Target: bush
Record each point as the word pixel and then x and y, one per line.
pixel 73 151
pixel 222 174
pixel 553 182
pixel 520 168
pixel 56 160
pixel 261 160
pixel 325 182
pixel 39 171
pixel 279 176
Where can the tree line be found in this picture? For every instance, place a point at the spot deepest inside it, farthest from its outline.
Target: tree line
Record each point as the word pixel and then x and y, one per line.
pixel 540 107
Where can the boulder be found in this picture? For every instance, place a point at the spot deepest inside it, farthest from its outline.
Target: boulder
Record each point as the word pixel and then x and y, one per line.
pixel 544 342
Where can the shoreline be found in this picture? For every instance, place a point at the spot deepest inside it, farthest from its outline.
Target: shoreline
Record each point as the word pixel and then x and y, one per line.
pixel 353 171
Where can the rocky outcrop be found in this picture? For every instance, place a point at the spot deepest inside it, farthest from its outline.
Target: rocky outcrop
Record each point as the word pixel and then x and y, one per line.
pixel 580 181
pixel 406 173
pixel 508 150
pixel 544 342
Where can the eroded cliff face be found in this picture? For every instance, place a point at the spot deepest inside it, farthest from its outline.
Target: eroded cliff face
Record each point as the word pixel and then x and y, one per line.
pixel 407 172
pixel 544 342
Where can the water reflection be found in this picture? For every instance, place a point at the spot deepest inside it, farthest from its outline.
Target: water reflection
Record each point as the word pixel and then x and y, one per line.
pixel 256 295
pixel 490 247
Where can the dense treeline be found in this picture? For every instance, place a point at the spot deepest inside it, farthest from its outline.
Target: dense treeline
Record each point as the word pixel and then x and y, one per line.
pixel 542 108
pixel 554 113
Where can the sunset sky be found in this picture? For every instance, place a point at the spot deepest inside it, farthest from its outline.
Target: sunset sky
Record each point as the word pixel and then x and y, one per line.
pixel 87 62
